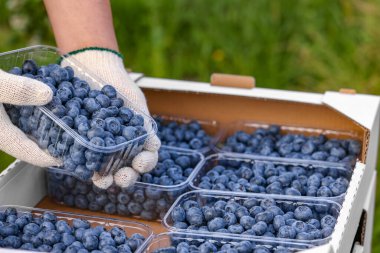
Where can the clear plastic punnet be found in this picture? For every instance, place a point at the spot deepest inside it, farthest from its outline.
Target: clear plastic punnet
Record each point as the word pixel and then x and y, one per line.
pixel 206 134
pixel 288 142
pixel 174 239
pixel 147 201
pixel 129 227
pixel 304 220
pixel 270 175
pixel 62 138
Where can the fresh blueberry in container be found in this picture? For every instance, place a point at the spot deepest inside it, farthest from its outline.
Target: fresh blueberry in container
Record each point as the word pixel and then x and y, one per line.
pixel 266 217
pixel 226 172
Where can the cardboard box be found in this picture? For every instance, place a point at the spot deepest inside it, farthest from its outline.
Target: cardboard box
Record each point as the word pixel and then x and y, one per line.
pixel 343 114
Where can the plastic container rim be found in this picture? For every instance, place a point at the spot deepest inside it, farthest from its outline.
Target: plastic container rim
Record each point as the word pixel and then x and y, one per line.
pixel 223 236
pixel 244 195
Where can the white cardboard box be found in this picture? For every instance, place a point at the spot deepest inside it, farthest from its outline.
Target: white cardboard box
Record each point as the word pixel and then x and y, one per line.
pixel 23 184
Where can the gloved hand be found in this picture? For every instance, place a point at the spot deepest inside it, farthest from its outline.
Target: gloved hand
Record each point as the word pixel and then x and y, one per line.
pixel 19 90
pixel 108 66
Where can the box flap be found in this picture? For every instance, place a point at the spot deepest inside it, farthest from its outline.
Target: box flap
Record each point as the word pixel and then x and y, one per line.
pixel 358 107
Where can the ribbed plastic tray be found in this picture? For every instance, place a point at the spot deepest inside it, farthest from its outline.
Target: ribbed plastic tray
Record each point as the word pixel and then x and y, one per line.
pixel 301 169
pixel 204 198
pixel 143 200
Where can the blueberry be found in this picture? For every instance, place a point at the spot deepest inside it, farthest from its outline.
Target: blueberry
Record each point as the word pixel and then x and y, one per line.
pixel 137 120
pixel 52 237
pixel 129 132
pixel 103 100
pixel 118 102
pixel 265 216
pixel 247 222
pixel 337 188
pixel 109 91
pixel 324 191
pixel 31 228
pixel 230 219
pixel 260 228
pixel 91 105
pixel 95 132
pixel 255 210
pixel 90 242
pixel 58 110
pixel 326 231
pixel 29 67
pixel 125 114
pixel 94 93
pixel 16 71
pixel 113 125
pixel 64 94
pixel 303 213
pixel 178 214
pixel 328 221
pixel 194 216
pixel 286 232
pixel 215 224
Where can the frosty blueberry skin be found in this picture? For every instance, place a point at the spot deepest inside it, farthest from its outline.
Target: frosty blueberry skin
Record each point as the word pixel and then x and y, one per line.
pixel 236 173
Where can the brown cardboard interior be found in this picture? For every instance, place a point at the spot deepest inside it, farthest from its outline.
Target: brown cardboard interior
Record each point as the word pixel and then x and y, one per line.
pixel 229 108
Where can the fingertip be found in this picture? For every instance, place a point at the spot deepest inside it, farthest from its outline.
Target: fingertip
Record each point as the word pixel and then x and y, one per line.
pixel 152 144
pixel 125 177
pixel 145 161
pixel 43 94
pixel 102 182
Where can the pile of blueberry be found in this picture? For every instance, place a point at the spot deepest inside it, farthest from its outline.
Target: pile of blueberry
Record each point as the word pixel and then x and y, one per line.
pixel 173 168
pixel 257 217
pixel 215 246
pixel 236 175
pixel 98 117
pixel 149 202
pixel 270 142
pixel 47 233
pixel 183 135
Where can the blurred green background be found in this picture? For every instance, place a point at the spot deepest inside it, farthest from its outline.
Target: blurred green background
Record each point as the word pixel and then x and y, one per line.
pixel 310 45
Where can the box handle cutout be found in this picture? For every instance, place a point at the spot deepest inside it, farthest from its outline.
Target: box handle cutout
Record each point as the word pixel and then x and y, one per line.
pixel 233 81
pixel 347 91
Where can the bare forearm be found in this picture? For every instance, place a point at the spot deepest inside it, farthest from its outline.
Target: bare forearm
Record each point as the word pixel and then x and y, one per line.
pixel 81 23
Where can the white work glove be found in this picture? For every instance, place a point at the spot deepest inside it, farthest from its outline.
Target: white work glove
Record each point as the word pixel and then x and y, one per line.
pixel 108 66
pixel 19 90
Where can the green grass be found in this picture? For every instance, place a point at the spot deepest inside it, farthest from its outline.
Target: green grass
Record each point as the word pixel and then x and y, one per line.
pixel 310 45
